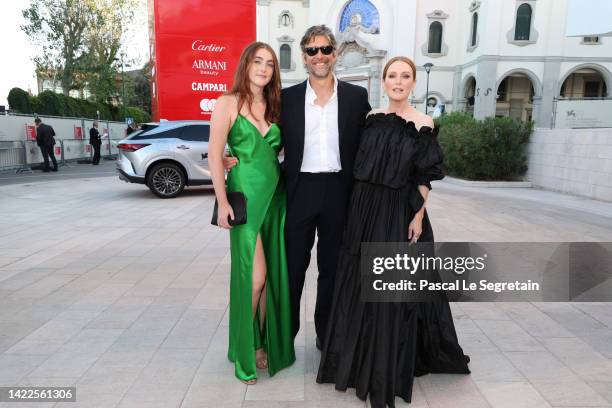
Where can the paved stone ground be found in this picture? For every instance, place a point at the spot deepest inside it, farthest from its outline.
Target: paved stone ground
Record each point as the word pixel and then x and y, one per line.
pixel 70 170
pixel 124 295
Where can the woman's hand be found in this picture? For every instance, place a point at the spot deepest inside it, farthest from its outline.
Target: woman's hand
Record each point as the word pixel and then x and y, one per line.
pixel 415 229
pixel 225 213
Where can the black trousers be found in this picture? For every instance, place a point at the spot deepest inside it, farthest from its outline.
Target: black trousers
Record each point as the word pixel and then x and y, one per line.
pixel 47 152
pixel 96 155
pixel 319 205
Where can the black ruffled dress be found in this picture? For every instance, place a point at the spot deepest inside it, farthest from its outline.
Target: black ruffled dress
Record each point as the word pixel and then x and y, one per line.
pixel 378 348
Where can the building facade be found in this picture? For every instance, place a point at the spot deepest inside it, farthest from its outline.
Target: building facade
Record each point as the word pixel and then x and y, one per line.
pixel 490 57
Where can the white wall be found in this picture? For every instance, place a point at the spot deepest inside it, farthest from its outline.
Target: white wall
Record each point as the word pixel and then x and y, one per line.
pixel 575 161
pixel 268 30
pixel 449 34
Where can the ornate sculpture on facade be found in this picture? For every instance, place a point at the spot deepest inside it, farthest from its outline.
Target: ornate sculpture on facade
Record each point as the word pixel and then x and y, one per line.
pixel 358 20
pixel 357 58
pixel 360 16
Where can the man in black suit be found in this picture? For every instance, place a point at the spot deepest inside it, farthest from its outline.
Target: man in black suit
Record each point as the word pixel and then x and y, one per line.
pixel 45 141
pixel 95 141
pixel 321 123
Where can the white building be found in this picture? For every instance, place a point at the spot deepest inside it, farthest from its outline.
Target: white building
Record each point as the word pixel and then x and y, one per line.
pixel 491 57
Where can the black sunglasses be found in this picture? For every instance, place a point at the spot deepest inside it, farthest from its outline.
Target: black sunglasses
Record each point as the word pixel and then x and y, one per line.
pixel 326 50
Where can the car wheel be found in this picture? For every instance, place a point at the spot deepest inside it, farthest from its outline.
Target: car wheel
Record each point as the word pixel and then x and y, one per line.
pixel 166 180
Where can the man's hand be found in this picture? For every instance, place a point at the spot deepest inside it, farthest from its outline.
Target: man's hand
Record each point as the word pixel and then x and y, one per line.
pixel 229 162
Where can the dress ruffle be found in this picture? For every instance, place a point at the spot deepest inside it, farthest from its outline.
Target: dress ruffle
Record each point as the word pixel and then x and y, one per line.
pixel 394 153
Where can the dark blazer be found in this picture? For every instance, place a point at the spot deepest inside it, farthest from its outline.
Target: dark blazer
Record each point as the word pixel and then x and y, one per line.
pixel 94 137
pixel 353 106
pixel 44 135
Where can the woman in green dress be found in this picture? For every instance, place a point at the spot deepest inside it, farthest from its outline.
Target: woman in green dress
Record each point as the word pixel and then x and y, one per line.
pixel 246 119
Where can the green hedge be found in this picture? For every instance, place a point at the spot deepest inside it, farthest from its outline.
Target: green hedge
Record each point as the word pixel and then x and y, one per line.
pixel 138 114
pixel 489 149
pixel 54 104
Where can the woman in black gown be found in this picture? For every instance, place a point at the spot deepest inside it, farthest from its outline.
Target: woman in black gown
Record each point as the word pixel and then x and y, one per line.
pixel 378 348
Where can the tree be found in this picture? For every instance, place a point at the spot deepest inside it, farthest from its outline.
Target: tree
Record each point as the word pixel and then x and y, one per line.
pixel 103 43
pixel 57 28
pixel 18 100
pixel 79 42
pixel 142 89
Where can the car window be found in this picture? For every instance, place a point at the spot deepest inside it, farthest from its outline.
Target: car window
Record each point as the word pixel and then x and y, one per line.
pixel 164 134
pixel 196 133
pixel 144 129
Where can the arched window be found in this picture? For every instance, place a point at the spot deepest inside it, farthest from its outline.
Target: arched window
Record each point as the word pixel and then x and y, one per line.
pixel 502 90
pixel 285 56
pixel 584 83
pixel 474 28
pixel 523 22
pixel 435 38
pixel 285 20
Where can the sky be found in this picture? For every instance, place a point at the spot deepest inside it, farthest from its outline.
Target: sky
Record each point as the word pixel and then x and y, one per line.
pixel 16 66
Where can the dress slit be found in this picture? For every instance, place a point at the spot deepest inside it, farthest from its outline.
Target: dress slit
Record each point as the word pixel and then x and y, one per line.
pixel 258 176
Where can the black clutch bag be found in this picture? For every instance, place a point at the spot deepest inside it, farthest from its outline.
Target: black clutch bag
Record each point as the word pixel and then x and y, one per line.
pixel 238 202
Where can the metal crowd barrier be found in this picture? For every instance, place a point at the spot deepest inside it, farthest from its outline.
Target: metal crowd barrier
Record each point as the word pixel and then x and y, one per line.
pixel 76 149
pixel 33 154
pixel 109 150
pixel 12 155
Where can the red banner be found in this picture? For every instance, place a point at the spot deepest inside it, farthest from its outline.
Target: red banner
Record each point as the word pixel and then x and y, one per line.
pixel 58 150
pixel 30 132
pixel 195 47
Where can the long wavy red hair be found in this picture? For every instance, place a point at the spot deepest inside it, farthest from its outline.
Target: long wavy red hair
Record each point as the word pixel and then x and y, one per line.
pixel 271 92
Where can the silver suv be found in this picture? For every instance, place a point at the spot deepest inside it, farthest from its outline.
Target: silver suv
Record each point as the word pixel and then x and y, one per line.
pixel 166 156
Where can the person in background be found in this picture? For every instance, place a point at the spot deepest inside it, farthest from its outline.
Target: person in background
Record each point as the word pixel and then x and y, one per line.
pixel 439 111
pixel 131 129
pixel 95 140
pixel 45 140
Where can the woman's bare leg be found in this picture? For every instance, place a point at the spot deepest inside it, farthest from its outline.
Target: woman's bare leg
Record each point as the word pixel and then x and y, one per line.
pixel 259 296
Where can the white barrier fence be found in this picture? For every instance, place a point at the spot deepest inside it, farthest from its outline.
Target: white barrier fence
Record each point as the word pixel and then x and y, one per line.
pixel 18 149
pixel 21 155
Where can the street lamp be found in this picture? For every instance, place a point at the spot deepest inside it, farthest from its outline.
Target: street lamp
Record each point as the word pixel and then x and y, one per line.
pixel 427 69
pixel 122 86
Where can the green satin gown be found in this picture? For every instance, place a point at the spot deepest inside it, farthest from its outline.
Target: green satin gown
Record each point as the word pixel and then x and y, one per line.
pixel 257 175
